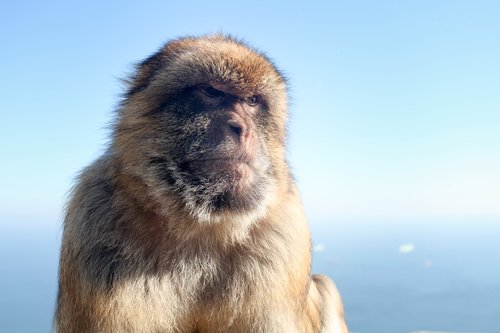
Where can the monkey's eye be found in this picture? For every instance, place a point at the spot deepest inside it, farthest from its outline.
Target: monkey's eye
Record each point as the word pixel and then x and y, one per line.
pixel 212 92
pixel 252 100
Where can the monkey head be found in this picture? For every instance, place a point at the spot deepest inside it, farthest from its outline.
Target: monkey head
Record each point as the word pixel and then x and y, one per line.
pixel 203 126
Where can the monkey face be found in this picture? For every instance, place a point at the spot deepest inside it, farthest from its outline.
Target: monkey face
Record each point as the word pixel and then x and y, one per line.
pixel 209 118
pixel 217 158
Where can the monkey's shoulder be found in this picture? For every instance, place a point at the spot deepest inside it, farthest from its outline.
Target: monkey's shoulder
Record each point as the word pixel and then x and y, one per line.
pixel 92 196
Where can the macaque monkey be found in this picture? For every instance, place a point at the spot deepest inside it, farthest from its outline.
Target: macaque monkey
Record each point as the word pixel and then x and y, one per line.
pixel 191 221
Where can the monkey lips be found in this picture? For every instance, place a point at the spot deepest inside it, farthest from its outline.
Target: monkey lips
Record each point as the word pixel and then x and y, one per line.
pixel 237 171
pixel 236 175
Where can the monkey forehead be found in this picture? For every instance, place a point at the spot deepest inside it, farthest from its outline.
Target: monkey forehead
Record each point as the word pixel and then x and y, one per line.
pixel 223 61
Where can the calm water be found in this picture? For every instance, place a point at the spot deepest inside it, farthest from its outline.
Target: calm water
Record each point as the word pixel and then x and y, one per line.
pixel 395 276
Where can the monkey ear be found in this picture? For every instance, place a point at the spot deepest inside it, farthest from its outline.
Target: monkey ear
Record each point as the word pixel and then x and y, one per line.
pixel 147 69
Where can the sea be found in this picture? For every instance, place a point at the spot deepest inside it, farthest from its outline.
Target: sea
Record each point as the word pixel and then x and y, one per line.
pixel 395 275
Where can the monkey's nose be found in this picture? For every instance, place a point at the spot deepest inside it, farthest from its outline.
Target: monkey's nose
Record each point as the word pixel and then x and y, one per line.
pixel 237 128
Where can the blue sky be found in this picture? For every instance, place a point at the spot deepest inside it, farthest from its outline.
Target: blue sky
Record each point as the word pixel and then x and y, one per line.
pixel 395 104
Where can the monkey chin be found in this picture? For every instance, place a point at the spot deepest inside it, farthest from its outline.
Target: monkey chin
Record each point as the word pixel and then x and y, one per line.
pixel 245 177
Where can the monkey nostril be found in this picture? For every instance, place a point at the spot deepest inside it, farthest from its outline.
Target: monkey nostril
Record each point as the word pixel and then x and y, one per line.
pixel 236 130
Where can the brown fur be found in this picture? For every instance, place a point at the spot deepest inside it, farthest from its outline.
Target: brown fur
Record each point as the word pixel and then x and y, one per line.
pixel 191 221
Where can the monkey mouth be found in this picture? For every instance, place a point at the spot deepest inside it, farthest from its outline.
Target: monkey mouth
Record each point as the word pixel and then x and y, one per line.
pixel 217 184
pixel 234 176
pixel 223 184
pixel 231 168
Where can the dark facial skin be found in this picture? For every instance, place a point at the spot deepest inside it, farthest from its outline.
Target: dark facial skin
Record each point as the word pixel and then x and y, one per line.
pixel 219 153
